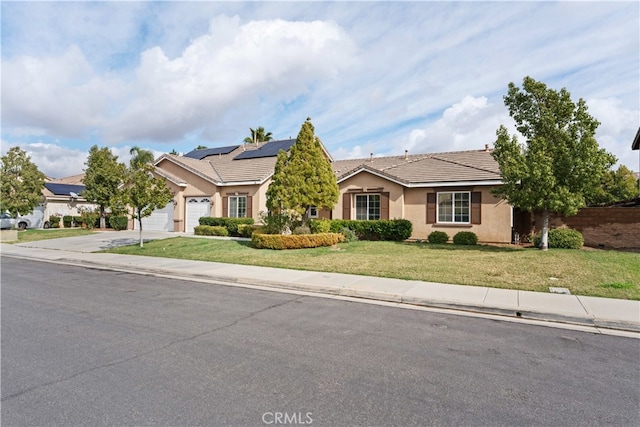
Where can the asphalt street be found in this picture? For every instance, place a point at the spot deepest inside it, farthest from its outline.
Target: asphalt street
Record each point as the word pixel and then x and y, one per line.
pixel 91 347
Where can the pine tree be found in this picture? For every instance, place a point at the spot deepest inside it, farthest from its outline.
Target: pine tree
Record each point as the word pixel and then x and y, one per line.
pixel 304 178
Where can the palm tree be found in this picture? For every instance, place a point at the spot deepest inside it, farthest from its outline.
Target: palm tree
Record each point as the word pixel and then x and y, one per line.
pixel 140 157
pixel 258 135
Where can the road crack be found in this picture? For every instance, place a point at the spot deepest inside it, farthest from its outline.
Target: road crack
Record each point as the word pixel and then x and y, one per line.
pixel 146 353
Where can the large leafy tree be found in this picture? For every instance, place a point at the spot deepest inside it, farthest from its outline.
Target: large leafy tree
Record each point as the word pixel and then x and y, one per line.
pixel 616 186
pixel 103 177
pixel 20 183
pixel 144 193
pixel 560 162
pixel 304 178
pixel 258 135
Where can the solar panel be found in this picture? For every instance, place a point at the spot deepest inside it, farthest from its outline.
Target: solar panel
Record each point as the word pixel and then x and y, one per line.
pixel 63 189
pixel 270 149
pixel 206 152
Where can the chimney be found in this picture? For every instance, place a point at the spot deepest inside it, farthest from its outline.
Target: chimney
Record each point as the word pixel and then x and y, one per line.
pixel 371 157
pixel 486 147
pixel 406 154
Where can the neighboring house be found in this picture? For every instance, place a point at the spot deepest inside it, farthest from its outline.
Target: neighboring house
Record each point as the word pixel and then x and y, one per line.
pixel 448 192
pixel 61 197
pixel 227 181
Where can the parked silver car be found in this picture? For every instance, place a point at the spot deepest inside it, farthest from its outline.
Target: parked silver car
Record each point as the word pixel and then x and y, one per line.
pixel 6 221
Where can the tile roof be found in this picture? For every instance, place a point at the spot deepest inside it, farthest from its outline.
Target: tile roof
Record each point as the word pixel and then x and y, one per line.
pixel 424 169
pixel 225 169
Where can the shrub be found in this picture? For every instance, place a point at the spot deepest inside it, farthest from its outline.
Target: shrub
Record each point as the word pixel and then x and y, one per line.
pixel 438 237
pixel 77 220
pixel 561 238
pixel 303 229
pixel 54 221
pixel 90 219
pixel 320 226
pixel 210 230
pixel 465 238
pixel 396 229
pixel 118 222
pixel 279 241
pixel 349 235
pixel 66 221
pixel 246 230
pixel 231 224
pixel 277 223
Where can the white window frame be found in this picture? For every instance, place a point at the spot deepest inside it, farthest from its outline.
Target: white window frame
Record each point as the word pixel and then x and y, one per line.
pixel 452 207
pixel 235 214
pixel 368 196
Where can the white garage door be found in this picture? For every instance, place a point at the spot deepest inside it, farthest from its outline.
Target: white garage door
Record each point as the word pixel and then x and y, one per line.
pixel 196 208
pixel 159 220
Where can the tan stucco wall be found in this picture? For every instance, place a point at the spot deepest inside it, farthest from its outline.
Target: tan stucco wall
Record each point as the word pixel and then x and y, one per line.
pixel 199 187
pixel 66 207
pixel 365 181
pixel 495 225
pixel 411 204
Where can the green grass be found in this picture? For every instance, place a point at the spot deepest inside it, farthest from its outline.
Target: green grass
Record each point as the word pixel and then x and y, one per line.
pixel 600 273
pixel 52 233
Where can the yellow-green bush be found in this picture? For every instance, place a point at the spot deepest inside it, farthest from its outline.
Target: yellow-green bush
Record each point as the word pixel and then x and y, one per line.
pixel 300 241
pixel 210 230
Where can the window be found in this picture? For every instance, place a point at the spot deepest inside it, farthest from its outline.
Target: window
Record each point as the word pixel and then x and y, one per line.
pixel 313 212
pixel 237 206
pixel 367 206
pixel 454 207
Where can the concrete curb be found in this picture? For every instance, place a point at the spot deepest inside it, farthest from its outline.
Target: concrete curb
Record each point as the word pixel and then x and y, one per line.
pixel 353 291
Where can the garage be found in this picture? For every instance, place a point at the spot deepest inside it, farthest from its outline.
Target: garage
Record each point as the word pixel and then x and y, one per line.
pixel 159 220
pixel 196 207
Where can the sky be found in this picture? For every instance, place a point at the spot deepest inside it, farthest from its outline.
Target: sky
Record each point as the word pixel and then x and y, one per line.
pixel 374 77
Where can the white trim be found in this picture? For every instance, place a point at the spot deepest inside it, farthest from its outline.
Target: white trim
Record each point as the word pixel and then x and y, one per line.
pixel 453 208
pixel 456 183
pixel 372 172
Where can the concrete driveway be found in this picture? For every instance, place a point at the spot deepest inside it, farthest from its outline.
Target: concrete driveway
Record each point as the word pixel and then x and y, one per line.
pixel 100 240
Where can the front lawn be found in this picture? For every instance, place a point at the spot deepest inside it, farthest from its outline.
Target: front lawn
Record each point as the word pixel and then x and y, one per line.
pixel 600 273
pixel 52 233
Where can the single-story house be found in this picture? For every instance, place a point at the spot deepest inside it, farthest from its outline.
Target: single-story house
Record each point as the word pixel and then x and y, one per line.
pixel 229 181
pixel 450 192
pixel 62 196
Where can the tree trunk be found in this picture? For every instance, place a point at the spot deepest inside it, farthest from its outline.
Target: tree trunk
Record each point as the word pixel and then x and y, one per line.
pixel 544 238
pixel 103 220
pixel 140 227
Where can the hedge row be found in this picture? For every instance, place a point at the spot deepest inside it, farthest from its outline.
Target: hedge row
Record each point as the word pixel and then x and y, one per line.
pixel 210 230
pixel 294 241
pixel 234 226
pixel 394 229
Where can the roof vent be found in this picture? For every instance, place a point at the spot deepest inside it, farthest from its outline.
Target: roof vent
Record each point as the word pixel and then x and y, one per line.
pixel 371 157
pixel 486 147
pixel 406 154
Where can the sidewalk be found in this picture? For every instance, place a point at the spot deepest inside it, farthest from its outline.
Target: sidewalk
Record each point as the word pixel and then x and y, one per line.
pixel 595 312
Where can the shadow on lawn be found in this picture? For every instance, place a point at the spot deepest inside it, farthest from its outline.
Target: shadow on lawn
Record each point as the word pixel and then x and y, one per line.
pixel 452 247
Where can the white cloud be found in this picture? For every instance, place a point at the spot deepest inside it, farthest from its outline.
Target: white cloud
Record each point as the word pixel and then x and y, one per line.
pixel 53 160
pixel 466 125
pixel 376 77
pixel 229 68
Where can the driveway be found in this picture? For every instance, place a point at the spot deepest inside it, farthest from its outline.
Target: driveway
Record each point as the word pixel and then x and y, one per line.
pixel 100 240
